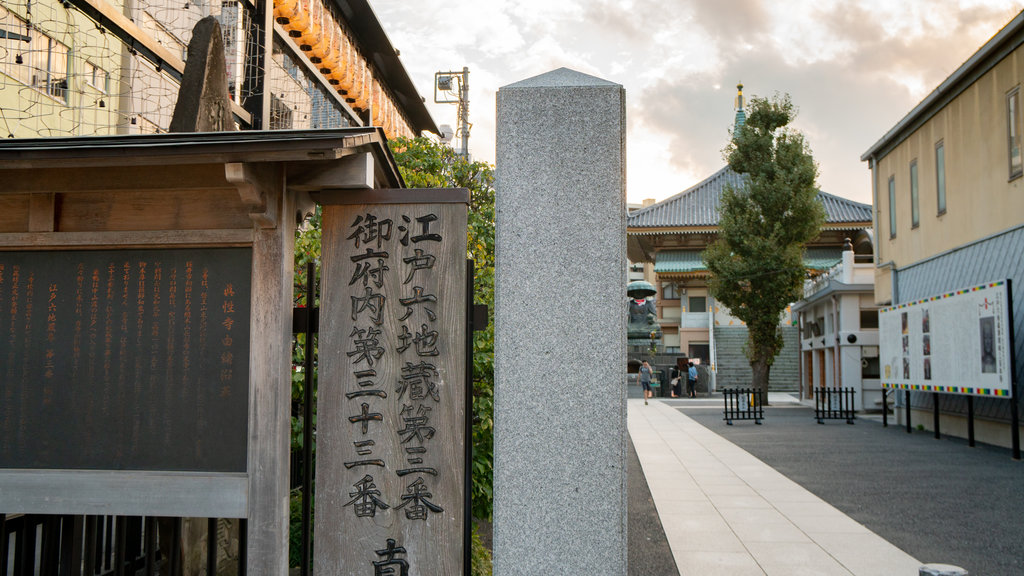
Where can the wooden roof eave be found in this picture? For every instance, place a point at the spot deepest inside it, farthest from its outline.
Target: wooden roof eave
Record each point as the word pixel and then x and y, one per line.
pixel 17 157
pixel 638 251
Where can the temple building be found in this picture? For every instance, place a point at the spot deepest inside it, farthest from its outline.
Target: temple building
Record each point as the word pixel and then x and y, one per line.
pixel 669 237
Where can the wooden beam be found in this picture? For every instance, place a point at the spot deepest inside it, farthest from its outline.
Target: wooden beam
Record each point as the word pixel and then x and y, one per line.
pixel 126 239
pixel 62 179
pixel 353 172
pixel 314 72
pixel 258 186
pixel 334 196
pixel 140 493
pixel 41 212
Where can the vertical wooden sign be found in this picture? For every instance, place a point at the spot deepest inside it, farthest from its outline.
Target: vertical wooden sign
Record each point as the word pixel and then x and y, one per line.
pixel 390 484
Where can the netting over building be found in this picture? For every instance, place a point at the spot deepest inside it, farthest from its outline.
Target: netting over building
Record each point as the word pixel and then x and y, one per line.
pixel 95 67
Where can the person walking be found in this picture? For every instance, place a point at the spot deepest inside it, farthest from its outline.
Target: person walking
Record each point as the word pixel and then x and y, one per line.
pixel 645 379
pixel 691 380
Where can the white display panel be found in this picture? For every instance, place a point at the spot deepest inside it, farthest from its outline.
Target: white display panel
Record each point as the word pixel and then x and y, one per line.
pixel 956 342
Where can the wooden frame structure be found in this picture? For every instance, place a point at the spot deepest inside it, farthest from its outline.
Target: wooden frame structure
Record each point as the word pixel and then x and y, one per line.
pixel 188 191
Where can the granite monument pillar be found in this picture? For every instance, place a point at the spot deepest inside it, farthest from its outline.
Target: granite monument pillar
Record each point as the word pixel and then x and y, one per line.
pixel 560 327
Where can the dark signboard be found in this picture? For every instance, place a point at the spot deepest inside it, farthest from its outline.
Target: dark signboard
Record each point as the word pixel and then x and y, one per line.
pixel 125 359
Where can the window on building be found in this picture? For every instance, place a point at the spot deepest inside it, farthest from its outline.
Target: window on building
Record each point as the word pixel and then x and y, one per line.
pixel 868 319
pixel 15 47
pixel 280 114
pixel 915 203
pixel 97 77
pixel 698 304
pixel 940 176
pixel 1013 132
pixel 892 206
pixel 669 291
pixel 33 58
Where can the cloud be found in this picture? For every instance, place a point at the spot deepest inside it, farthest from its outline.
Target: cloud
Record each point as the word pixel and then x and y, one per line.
pixel 853 67
pixel 846 102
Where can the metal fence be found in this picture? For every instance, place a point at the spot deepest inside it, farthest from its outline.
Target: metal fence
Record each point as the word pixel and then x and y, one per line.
pixel 59 545
pixel 743 404
pixel 834 404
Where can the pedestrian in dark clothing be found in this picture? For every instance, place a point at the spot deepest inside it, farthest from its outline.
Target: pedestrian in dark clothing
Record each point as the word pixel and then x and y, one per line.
pixel 691 381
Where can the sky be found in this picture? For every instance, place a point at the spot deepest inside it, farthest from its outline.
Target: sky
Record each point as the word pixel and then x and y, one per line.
pixel 853 68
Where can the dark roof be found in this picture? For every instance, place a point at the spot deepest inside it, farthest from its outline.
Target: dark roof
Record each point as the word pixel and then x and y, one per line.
pixel 377 49
pixel 200 147
pixel 698 206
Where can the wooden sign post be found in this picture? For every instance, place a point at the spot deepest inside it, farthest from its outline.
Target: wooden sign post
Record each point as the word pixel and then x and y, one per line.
pixel 392 390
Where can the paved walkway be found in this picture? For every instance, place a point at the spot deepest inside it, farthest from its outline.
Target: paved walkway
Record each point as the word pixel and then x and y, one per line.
pixel 726 513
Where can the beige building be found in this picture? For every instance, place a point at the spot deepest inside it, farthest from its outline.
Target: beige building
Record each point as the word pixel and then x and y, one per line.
pixel 949 198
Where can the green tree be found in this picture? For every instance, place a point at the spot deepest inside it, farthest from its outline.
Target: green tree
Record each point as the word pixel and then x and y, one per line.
pixel 756 263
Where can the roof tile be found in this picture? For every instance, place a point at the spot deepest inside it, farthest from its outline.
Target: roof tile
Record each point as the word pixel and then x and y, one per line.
pixel 698 206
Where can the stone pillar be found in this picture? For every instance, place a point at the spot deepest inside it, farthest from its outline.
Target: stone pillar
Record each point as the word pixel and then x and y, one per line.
pixel 560 327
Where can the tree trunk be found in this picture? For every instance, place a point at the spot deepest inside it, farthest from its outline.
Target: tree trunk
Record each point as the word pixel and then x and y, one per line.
pixel 761 369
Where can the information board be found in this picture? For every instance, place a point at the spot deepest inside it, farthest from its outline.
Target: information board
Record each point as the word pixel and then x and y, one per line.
pixel 125 359
pixel 956 342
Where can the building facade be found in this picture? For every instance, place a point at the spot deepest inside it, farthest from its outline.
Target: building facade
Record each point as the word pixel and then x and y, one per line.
pixel 670 236
pixel 837 321
pixel 100 67
pixel 949 198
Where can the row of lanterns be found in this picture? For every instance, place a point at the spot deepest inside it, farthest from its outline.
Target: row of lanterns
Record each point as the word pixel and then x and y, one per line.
pixel 313 27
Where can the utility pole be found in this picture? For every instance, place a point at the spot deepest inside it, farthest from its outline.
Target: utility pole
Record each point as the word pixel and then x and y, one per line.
pixel 453 88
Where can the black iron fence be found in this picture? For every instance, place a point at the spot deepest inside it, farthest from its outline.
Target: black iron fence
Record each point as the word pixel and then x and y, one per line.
pixel 52 545
pixel 743 404
pixel 834 404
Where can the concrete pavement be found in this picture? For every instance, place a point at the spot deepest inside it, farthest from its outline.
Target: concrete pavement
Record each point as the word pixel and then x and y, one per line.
pixel 724 512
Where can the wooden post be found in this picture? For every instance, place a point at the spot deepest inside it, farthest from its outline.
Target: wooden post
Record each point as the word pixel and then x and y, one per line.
pixel 391 395
pixel 269 370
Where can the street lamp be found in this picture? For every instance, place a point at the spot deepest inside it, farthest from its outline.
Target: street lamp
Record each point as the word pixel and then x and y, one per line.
pixel 453 88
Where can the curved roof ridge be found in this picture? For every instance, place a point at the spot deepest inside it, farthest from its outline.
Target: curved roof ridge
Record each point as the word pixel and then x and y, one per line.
pixel 698 206
pixel 678 195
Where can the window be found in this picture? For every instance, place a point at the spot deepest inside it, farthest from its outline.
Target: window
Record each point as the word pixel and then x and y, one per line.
pixel 698 304
pixel 669 291
pixel 280 114
pixel 1013 132
pixel 50 59
pixel 915 204
pixel 892 206
pixel 31 57
pixel 868 319
pixel 940 176
pixel 14 47
pixel 97 77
